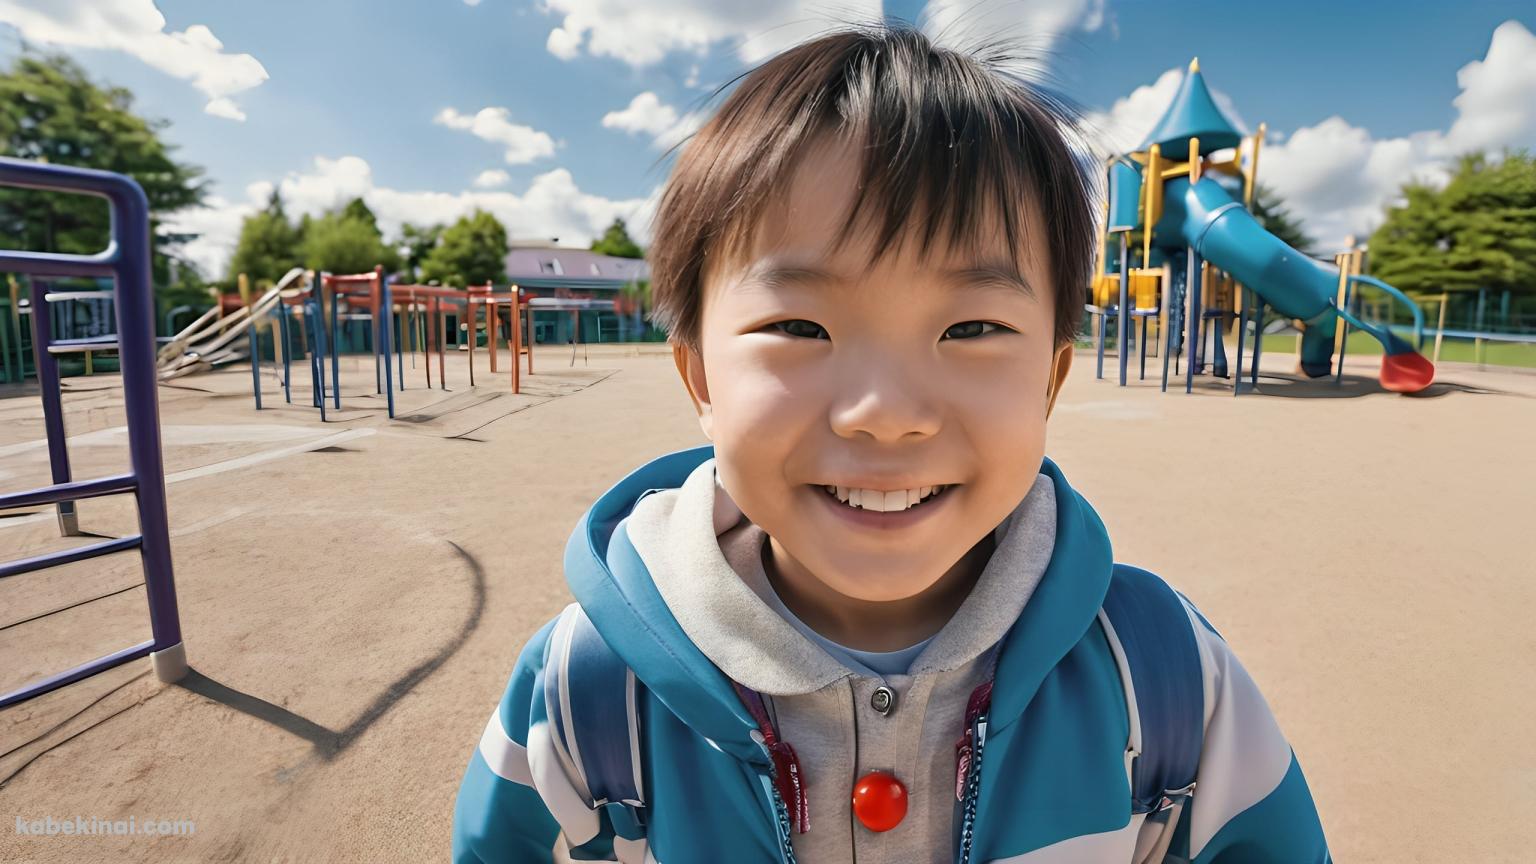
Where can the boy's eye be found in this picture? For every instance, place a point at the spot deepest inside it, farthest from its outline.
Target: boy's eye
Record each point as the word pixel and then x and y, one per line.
pixel 964 330
pixel 800 327
pixel 971 329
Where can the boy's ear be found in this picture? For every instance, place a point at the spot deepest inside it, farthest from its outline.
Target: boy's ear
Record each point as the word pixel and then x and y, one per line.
pixel 1060 366
pixel 691 367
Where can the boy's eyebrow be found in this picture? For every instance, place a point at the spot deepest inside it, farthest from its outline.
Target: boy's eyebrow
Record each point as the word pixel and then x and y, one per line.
pixel 981 277
pixel 989 276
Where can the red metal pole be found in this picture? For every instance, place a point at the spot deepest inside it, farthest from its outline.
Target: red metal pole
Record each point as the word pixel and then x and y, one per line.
pixel 517 340
pixel 426 341
pixel 494 327
pixel 375 295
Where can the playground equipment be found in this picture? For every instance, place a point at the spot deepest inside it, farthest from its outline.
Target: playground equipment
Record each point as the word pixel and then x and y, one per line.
pixel 401 318
pixel 210 340
pixel 126 261
pixel 1205 259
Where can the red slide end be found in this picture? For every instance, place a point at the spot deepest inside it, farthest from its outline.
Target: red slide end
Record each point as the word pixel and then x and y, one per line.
pixel 1408 372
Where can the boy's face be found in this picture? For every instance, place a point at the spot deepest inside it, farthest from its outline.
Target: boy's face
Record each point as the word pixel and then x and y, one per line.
pixel 822 368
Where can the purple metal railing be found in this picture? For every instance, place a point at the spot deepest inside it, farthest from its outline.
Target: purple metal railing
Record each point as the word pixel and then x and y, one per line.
pixel 126 260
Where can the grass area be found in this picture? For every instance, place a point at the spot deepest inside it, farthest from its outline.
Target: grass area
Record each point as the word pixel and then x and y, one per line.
pixel 1519 354
pixel 1514 354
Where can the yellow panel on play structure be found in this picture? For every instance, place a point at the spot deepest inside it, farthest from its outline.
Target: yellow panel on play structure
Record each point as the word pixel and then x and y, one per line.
pixel 1146 286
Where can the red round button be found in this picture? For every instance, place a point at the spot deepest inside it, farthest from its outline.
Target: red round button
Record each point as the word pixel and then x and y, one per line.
pixel 880 801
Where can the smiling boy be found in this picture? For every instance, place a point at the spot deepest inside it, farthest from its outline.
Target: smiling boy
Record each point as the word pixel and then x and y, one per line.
pixel 870 621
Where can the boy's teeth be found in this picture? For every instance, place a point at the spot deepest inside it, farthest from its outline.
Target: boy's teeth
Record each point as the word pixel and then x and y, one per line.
pixel 882 502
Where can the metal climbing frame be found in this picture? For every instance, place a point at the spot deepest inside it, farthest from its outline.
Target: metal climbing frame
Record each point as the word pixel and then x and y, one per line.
pixel 126 260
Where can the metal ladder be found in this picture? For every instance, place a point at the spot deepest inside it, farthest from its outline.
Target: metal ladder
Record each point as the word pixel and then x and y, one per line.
pixel 127 261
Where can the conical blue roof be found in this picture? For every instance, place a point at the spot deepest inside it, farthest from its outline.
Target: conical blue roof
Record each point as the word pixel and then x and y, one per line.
pixel 1193 114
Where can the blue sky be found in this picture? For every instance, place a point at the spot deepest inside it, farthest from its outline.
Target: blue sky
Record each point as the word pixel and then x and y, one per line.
pixel 363 86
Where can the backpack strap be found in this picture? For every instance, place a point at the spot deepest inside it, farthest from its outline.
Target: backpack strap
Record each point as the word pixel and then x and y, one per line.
pixel 593 700
pixel 1154 645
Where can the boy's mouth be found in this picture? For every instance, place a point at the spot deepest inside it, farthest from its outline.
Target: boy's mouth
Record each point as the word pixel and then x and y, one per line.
pixel 884 501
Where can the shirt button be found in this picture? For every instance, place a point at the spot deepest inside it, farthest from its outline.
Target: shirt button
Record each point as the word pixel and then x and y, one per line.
pixel 883 700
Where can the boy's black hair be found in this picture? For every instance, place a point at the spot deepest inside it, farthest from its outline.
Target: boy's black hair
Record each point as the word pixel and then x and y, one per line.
pixel 950 143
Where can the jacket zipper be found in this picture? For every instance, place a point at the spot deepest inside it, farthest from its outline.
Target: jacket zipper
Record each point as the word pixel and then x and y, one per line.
pixel 972 790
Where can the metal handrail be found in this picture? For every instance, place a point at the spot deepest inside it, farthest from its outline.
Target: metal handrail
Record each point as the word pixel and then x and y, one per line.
pixel 126 260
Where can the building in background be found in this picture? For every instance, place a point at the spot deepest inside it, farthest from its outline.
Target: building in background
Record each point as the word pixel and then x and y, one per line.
pixel 544 269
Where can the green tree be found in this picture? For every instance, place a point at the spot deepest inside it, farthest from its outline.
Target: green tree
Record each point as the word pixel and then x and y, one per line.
pixel 268 245
pixel 50 110
pixel 471 252
pixel 1272 214
pixel 418 242
pixel 616 242
pixel 358 209
pixel 342 243
pixel 1478 231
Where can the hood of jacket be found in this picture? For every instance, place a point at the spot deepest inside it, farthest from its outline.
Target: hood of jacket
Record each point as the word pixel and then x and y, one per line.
pixel 636 560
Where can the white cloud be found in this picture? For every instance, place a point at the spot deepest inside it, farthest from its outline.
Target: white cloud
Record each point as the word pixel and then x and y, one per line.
pixel 648 115
pixel 491 179
pixel 551 206
pixel 1336 176
pixel 1497 104
pixel 1033 25
pixel 136 27
pixel 226 108
pixel 471 2
pixel 641 34
pixel 218 228
pixel 523 143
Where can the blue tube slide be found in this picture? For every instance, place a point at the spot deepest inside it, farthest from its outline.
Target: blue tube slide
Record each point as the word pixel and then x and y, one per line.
pixel 1223 232
pixel 1207 218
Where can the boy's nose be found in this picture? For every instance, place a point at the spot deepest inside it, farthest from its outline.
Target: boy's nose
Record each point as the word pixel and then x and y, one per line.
pixel 887 404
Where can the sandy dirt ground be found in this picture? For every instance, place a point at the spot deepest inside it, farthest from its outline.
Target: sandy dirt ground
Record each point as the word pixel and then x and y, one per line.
pixel 353 593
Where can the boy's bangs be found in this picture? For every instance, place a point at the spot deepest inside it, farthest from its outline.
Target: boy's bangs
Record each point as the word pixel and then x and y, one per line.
pixel 906 193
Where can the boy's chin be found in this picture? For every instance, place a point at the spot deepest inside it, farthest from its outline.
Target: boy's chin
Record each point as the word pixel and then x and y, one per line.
pixel 880 583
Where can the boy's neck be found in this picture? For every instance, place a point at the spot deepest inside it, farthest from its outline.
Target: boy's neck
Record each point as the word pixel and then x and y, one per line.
pixel 865 625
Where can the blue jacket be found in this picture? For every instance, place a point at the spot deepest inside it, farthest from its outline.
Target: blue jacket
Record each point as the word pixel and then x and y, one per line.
pixel 1053 783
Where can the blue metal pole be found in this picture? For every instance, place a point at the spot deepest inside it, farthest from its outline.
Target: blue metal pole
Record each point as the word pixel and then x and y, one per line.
pixel 334 347
pixel 318 352
pixel 1258 337
pixel 316 395
pixel 386 332
pixel 53 402
pixel 141 402
pixel 324 348
pixel 1193 324
pixel 255 343
pixel 1175 301
pixel 1142 344
pixel 1242 332
pixel 1098 371
pixel 1125 321
pixel 282 326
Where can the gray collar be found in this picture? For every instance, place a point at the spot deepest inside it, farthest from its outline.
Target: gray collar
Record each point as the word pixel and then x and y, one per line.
pixel 704 558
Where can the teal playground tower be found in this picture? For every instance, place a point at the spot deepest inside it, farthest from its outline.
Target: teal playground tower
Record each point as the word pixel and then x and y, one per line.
pixel 1204 260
